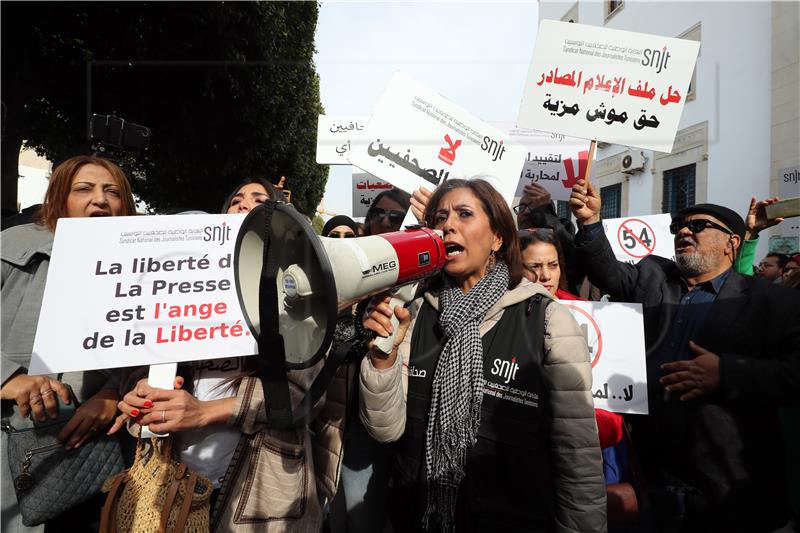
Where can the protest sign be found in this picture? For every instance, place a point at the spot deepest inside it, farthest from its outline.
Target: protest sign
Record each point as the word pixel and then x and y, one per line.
pixel 610 85
pixel 335 135
pixel 125 291
pixel 418 138
pixel 615 335
pixel 365 188
pixel 634 238
pixel 554 161
pixel 789 182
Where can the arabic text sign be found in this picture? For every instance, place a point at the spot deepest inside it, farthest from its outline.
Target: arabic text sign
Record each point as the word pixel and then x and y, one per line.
pixel 418 138
pixel 554 161
pixel 611 85
pixel 615 335
pixel 634 238
pixel 365 188
pixel 125 291
pixel 335 135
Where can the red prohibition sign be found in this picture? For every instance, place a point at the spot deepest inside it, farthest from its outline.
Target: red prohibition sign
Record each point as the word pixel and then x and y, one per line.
pixel 623 228
pixel 594 325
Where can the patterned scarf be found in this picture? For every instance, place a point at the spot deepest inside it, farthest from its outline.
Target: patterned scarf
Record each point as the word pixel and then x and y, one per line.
pixel 455 412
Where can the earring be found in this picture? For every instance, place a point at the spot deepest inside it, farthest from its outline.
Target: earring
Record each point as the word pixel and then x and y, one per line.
pixel 492 262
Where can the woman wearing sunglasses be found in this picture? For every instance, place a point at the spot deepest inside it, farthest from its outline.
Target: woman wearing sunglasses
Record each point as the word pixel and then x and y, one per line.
pixel 387 212
pixel 486 389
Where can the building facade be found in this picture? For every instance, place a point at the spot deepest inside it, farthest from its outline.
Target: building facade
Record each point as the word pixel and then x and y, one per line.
pixel 739 134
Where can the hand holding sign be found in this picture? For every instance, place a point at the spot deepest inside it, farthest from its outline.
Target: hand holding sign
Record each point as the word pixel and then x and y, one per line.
pixel 757 220
pixel 585 202
pixel 419 201
pixel 695 377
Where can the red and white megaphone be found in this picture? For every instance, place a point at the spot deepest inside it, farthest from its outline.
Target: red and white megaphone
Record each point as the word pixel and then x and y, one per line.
pixel 297 282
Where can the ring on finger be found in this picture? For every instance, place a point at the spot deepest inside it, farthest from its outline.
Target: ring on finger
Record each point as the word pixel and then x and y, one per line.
pixel 93 429
pixel 163 416
pixel 47 392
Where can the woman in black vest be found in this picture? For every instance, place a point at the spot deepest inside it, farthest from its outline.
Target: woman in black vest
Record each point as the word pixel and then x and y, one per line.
pixel 496 431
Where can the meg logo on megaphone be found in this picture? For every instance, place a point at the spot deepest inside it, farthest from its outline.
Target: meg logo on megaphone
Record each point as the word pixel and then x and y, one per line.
pixel 380 268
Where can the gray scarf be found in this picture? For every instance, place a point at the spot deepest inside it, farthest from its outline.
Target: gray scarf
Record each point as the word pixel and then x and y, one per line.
pixel 455 412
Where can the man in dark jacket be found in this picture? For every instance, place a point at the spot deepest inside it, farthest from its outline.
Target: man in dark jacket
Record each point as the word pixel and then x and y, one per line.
pixel 723 351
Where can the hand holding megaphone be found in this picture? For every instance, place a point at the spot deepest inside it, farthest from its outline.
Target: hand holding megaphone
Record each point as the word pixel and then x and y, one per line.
pixel 386 316
pixel 389 305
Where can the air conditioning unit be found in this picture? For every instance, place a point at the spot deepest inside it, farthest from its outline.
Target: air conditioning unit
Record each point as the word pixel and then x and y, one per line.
pixel 632 161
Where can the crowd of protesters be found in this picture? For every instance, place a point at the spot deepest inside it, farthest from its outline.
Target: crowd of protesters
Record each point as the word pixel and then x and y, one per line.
pixel 418 439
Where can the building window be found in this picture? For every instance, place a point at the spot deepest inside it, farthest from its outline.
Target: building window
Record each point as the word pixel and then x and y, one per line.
pixel 692 34
pixel 611 201
pixel 613 7
pixel 678 189
pixel 562 209
pixel 571 15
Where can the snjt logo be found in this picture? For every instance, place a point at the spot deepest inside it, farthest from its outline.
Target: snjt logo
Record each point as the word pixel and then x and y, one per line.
pixel 656 58
pixel 506 370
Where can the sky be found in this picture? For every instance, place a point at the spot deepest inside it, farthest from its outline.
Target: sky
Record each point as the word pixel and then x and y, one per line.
pixel 474 54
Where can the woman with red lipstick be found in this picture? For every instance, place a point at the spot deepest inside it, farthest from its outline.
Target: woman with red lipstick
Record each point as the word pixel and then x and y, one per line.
pixel 82 186
pixel 487 388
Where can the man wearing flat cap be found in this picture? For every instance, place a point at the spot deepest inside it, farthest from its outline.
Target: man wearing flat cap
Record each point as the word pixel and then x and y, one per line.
pixel 723 352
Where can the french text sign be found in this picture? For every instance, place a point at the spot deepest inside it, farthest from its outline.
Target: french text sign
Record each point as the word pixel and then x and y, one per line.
pixel 125 291
pixel 417 138
pixel 634 238
pixel 611 85
pixel 335 136
pixel 615 335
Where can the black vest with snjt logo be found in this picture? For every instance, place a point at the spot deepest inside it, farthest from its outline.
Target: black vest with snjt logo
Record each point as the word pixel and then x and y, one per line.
pixel 507 486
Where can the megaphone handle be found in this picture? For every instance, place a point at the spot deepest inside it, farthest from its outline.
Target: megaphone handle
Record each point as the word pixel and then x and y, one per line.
pixel 385 344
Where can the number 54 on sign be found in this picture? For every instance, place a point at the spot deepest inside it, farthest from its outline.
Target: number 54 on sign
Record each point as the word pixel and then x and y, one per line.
pixel 634 238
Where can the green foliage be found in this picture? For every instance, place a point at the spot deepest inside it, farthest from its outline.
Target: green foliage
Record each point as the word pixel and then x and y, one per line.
pixel 229 90
pixel 317 223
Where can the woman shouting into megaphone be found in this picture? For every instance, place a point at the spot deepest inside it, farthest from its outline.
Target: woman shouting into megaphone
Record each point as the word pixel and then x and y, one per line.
pixel 487 388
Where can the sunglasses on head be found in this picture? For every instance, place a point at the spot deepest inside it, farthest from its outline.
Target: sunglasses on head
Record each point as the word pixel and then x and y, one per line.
pixel 696 226
pixel 338 235
pixel 395 216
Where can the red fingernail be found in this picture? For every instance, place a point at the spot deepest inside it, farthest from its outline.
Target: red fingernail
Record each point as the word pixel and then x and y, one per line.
pixel 135 413
pixel 148 404
pixel 179 379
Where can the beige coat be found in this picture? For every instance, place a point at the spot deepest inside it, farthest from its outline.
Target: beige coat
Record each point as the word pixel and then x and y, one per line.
pixel 277 478
pixel 575 450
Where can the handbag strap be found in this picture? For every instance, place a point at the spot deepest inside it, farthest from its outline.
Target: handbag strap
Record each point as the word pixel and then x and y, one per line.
pixel 187 503
pixel 108 516
pixel 169 499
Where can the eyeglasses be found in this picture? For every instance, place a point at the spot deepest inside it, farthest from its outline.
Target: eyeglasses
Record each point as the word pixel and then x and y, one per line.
pixel 521 208
pixel 696 226
pixel 345 235
pixel 395 216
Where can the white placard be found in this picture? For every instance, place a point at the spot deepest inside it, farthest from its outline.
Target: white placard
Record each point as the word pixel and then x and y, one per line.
pixel 615 335
pixel 365 188
pixel 125 291
pixel 611 85
pixel 634 238
pixel 418 138
pixel 554 161
pixel 335 135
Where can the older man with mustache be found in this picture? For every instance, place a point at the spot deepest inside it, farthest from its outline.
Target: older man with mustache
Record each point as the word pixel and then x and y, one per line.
pixel 723 351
